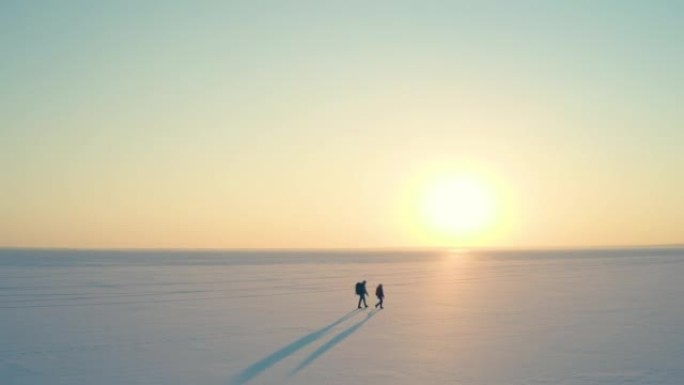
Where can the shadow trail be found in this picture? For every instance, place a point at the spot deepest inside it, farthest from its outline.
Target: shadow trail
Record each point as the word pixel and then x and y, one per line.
pixel 330 344
pixel 260 366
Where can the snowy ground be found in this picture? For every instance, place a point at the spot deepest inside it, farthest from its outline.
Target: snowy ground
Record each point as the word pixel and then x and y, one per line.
pixel 561 318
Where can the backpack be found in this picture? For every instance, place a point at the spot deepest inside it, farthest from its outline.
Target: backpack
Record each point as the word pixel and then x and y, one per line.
pixel 358 288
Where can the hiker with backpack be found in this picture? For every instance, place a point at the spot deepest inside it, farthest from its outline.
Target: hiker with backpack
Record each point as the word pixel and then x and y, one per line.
pixel 362 293
pixel 380 293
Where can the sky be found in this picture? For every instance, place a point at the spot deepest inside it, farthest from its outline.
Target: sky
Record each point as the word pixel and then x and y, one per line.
pixel 314 124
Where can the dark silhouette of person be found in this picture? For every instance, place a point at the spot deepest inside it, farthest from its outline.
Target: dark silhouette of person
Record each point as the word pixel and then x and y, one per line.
pixel 362 293
pixel 380 293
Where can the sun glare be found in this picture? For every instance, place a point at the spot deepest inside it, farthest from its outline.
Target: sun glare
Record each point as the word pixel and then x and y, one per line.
pixel 457 208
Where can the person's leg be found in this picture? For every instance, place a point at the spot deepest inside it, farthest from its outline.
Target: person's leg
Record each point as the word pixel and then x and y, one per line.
pixel 360 298
pixel 364 301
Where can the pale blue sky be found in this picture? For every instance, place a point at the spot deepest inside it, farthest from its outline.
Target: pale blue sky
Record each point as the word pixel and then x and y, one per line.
pixel 300 124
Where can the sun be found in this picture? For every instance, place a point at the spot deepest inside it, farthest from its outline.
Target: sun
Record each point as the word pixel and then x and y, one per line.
pixel 458 208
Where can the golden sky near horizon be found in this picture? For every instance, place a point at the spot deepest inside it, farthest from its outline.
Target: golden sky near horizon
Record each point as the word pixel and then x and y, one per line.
pixel 264 124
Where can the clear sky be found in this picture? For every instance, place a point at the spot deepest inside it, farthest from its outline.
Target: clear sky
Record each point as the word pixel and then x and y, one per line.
pixel 315 123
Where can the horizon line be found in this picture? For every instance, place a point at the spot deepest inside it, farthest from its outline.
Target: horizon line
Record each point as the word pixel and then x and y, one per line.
pixel 346 248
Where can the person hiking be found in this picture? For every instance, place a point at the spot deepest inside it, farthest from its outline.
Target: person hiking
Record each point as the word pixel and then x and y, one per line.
pixel 362 293
pixel 380 293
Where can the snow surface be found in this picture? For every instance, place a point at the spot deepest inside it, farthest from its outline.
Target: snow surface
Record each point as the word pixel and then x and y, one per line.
pixel 231 318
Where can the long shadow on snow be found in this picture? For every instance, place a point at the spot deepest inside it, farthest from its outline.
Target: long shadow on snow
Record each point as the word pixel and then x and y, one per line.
pixel 260 366
pixel 330 344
